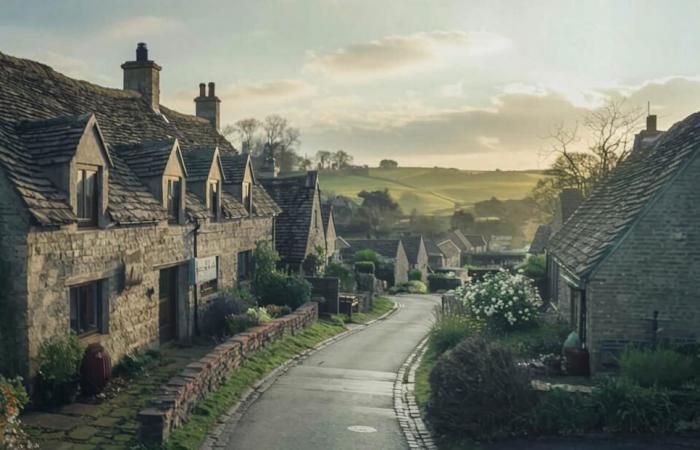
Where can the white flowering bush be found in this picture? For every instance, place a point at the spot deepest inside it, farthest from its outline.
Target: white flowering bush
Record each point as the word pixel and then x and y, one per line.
pixel 502 299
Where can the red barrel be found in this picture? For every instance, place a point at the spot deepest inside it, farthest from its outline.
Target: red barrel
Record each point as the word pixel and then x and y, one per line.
pixel 96 369
pixel 577 361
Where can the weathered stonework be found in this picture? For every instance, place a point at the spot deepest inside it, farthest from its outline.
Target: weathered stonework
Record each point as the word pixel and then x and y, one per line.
pixel 181 394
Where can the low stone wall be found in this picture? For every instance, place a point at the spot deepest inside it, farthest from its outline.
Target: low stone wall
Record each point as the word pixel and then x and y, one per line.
pixel 180 395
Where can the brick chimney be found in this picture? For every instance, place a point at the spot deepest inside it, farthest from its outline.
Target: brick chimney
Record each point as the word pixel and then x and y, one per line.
pixel 207 106
pixel 569 200
pixel 143 75
pixel 651 123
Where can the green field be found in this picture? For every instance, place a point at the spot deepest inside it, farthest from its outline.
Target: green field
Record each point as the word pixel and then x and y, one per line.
pixel 432 190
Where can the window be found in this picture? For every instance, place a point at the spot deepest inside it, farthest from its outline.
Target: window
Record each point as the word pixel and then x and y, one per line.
pixel 174 199
pixel 86 191
pixel 246 196
pixel 245 265
pixel 214 198
pixel 86 309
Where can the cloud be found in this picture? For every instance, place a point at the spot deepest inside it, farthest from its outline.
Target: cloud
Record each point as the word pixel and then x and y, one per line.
pixel 398 55
pixel 141 26
pixel 275 91
pixel 508 134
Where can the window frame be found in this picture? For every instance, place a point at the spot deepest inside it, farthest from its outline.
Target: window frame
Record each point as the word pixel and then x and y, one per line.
pixel 244 259
pixel 247 196
pixel 94 293
pixel 214 192
pixel 82 200
pixel 173 199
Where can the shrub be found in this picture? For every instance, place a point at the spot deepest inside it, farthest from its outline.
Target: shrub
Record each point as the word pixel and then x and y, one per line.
pixel 276 311
pixel 136 364
pixel 366 255
pixel 443 282
pixel 562 412
pixel 385 271
pixel 477 390
pixel 234 301
pixel 258 315
pixel 281 289
pixel 13 398
pixel 663 367
pixel 542 339
pixel 58 361
pixel 265 259
pixel 239 323
pixel 364 267
pixel 410 287
pixel 534 267
pixel 415 275
pixel 623 406
pixel 504 300
pixel 449 331
pixel 343 274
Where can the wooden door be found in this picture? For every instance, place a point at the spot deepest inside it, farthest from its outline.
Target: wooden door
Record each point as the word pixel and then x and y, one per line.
pixel 167 304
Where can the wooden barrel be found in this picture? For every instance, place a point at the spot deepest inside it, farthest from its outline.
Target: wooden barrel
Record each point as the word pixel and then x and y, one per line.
pixel 96 369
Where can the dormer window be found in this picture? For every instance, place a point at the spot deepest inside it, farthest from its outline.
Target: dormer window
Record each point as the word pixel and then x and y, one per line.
pixel 246 196
pixel 214 198
pixel 174 198
pixel 87 194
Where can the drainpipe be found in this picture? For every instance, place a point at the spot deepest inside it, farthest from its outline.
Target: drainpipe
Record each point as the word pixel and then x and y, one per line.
pixel 196 289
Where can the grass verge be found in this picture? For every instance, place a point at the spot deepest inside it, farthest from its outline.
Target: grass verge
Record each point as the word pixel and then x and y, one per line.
pixel 193 433
pixel 380 306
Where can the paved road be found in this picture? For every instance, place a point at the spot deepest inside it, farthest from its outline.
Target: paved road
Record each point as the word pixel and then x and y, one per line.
pixel 347 384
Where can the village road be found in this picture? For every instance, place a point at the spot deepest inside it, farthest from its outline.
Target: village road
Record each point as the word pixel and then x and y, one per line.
pixel 341 396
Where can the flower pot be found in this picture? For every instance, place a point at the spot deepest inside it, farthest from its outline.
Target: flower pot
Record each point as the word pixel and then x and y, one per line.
pixel 57 393
pixel 577 361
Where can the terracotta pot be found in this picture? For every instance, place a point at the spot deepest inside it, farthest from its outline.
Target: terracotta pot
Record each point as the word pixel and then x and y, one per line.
pixel 96 369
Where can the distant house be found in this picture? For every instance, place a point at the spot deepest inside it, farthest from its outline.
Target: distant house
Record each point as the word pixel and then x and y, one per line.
pixel 467 244
pixel 329 229
pixel 626 265
pixel 436 259
pixel 391 250
pixel 341 248
pixel 416 253
pixel 478 243
pixel 299 230
pixel 451 253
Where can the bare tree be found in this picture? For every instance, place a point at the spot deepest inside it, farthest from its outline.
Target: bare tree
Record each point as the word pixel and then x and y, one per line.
pixel 274 127
pixel 247 130
pixel 342 159
pixel 610 131
pixel 323 157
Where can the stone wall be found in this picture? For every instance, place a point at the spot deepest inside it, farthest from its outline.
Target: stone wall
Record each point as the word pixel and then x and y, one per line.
pixel 328 288
pixel 655 268
pixel 57 260
pixel 13 281
pixel 181 394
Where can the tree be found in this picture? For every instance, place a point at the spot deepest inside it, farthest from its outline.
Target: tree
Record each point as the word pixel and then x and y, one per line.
pixel 274 127
pixel 323 158
pixel 610 131
pixel 379 210
pixel 462 220
pixel 388 164
pixel 305 163
pixel 342 159
pixel 247 130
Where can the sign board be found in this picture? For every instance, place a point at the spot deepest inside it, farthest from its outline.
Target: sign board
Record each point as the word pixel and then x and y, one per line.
pixel 205 269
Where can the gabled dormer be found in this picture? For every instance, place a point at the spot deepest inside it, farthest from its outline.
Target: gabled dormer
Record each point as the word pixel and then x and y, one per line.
pixel 240 178
pixel 205 177
pixel 161 167
pixel 72 154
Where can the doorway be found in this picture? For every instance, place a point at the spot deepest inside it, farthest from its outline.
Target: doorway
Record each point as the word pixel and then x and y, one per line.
pixel 167 305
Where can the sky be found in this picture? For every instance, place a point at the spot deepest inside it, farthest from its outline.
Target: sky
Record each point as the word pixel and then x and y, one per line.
pixel 468 84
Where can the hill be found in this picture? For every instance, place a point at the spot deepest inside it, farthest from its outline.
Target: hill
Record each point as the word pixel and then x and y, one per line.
pixel 436 190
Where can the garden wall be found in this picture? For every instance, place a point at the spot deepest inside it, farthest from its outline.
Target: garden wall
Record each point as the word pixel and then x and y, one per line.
pixel 173 404
pixel 329 289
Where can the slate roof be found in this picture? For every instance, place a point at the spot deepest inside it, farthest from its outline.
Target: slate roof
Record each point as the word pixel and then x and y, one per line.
pixel 459 240
pixel 476 240
pixel 148 158
pixel 30 91
pixel 432 248
pixel 540 240
pixel 411 245
pixel 388 248
pixel 234 167
pixel 448 247
pixel 615 204
pixel 198 162
pixel 53 141
pixel 296 199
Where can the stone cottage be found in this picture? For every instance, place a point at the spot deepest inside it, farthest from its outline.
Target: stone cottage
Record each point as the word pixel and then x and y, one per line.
pixel 390 250
pixel 451 252
pixel 299 230
pixel 118 217
pixel 627 262
pixel 416 253
pixel 332 253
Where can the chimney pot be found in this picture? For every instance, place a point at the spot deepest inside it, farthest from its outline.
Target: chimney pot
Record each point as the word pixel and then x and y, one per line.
pixel 141 52
pixel 651 122
pixel 202 89
pixel 211 89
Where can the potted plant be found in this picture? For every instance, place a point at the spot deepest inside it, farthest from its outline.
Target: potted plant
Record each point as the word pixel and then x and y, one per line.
pixel 58 381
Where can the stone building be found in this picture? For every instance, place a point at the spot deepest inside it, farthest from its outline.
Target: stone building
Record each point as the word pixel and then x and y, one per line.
pixel 299 230
pixel 416 253
pixel 436 259
pixel 118 217
pixel 452 253
pixel 626 265
pixel 332 253
pixel 390 250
